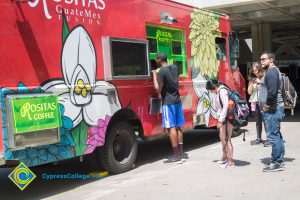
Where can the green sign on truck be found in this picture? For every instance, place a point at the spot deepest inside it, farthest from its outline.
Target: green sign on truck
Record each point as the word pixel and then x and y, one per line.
pixel 35 113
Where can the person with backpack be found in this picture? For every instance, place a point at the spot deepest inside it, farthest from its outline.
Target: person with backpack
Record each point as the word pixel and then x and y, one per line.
pixel 289 93
pixel 166 84
pixel 255 75
pixel 272 107
pixel 223 103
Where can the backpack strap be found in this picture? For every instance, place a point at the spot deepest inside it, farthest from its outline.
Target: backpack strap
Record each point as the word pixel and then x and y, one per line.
pixel 169 67
pixel 288 85
pixel 283 93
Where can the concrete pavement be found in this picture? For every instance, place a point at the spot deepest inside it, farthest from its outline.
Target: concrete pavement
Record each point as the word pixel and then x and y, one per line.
pixel 201 178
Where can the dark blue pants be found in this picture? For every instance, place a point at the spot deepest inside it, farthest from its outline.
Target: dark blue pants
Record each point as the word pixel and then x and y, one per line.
pixel 272 120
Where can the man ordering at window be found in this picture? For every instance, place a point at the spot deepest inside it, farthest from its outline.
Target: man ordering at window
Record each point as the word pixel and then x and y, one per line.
pixel 166 85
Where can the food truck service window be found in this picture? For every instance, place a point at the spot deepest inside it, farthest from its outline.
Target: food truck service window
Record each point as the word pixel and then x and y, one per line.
pixel 170 41
pixel 125 58
pixel 221 48
pixel 233 60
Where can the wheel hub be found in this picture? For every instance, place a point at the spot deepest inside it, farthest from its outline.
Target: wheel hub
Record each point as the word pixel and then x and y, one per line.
pixel 117 147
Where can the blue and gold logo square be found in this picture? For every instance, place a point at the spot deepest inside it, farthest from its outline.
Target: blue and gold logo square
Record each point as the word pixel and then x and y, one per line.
pixel 22 176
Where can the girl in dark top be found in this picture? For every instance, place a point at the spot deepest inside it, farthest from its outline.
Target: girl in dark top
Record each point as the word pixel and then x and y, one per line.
pixel 255 75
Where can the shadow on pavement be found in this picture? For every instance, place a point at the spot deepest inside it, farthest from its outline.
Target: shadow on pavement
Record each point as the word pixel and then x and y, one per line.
pixel 152 151
pixel 239 163
pixel 39 188
pixel 267 161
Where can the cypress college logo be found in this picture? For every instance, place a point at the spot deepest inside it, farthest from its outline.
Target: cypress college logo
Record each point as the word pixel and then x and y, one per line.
pixel 22 176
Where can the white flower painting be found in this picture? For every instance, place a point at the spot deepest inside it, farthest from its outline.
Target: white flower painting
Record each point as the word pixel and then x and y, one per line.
pixel 83 97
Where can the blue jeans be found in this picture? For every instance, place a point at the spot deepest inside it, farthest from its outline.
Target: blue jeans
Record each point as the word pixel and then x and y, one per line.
pixel 272 120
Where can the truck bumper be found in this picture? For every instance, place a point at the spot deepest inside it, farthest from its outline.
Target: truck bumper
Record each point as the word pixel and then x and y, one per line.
pixel 2 160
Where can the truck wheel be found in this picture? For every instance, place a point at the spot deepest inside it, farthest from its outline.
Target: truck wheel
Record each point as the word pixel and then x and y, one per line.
pixel 120 150
pixel 236 131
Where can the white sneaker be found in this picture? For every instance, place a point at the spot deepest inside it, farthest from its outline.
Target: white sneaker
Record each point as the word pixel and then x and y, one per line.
pixel 231 166
pixel 223 166
pixel 222 161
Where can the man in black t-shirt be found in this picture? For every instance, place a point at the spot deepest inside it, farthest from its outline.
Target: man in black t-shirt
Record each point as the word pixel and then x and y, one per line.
pixel 272 105
pixel 166 85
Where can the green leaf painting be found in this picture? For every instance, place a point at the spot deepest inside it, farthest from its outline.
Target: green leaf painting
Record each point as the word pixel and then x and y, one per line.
pixel 80 135
pixel 65 28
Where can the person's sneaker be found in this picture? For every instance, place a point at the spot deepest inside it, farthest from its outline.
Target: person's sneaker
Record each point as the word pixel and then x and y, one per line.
pixel 267 143
pixel 274 167
pixel 184 156
pixel 282 165
pixel 231 166
pixel 173 159
pixel 256 142
pixel 269 163
pixel 222 161
pixel 223 166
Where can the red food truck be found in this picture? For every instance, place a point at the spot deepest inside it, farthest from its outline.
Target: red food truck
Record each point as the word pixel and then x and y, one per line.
pixel 76 75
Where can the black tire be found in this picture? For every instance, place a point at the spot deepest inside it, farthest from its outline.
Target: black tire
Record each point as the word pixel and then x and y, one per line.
pixel 119 153
pixel 236 131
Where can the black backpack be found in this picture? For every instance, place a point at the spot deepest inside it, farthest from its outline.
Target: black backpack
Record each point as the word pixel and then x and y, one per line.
pixel 241 109
pixel 288 91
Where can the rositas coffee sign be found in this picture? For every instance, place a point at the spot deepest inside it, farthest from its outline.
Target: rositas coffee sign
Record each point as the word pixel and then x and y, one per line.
pixel 35 113
pixel 82 11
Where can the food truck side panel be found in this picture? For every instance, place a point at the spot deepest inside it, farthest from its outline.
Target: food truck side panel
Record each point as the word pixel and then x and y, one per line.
pixel 46 54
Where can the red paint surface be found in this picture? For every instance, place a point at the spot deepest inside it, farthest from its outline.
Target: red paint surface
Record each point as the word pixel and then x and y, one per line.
pixel 31 44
